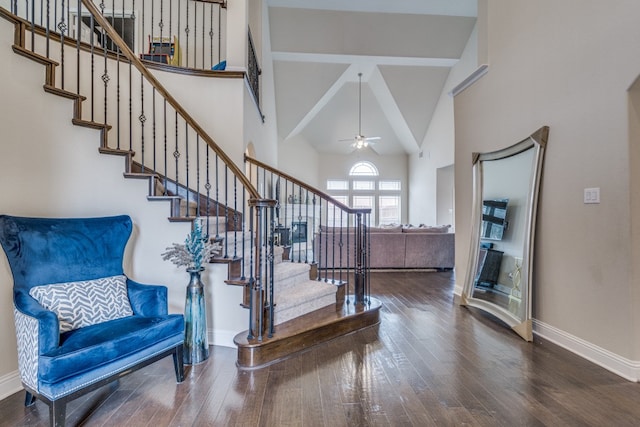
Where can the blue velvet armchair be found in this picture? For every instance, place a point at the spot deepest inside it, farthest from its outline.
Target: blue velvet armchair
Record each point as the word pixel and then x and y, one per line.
pixel 80 322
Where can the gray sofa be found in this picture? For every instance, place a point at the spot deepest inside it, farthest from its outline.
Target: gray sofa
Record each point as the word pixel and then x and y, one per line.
pixel 391 247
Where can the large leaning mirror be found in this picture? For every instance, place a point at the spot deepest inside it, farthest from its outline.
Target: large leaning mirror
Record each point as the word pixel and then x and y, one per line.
pixel 505 195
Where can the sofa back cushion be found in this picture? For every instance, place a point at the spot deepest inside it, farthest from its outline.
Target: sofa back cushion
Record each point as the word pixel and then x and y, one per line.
pixel 85 303
pixel 427 229
pixel 387 228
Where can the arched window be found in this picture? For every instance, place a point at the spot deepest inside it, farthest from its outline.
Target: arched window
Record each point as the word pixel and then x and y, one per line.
pixel 363 189
pixel 364 169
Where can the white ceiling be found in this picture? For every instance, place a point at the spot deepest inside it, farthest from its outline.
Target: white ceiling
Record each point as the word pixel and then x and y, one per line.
pixel 403 48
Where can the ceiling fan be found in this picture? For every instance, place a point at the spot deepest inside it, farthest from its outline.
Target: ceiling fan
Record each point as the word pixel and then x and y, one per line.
pixel 360 141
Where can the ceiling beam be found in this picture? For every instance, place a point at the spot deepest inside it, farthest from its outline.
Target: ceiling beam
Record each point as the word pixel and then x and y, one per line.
pixel 330 93
pixel 392 111
pixel 364 60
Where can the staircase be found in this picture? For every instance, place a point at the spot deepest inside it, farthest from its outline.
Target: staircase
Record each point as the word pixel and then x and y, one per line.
pixel 291 306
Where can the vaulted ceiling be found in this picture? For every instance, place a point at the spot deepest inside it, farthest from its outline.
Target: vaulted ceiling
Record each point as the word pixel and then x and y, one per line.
pixel 403 48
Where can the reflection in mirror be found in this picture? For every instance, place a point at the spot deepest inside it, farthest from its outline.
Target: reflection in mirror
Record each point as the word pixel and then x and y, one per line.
pixel 505 196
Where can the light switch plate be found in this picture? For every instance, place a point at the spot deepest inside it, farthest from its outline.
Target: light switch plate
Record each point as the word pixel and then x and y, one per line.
pixel 592 195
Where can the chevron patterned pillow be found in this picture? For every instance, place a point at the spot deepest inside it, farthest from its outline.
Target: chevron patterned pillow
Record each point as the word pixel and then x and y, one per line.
pixel 84 303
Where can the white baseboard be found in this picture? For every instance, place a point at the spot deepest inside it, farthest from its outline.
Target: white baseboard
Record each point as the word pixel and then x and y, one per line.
pixel 10 384
pixel 222 338
pixel 457 290
pixel 627 369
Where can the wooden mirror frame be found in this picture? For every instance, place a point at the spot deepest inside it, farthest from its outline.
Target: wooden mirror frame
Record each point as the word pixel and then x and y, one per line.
pixel 521 325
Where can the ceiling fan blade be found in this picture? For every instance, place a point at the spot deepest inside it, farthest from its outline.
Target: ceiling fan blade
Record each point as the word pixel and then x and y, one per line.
pixel 372 138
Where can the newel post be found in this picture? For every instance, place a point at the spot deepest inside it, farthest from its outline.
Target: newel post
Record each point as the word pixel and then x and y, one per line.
pixel 361 267
pixel 261 297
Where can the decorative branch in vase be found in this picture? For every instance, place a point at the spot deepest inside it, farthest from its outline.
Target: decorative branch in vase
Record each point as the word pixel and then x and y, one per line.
pixel 196 250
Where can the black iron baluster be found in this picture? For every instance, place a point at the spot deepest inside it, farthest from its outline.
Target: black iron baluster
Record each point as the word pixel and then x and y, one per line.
pixel 78 37
pixel 151 25
pixel 307 231
pixel 197 193
pixel 112 45
pixel 226 207
pixel 333 250
pixel 219 34
pixel 47 30
pixel 166 160
pixel 286 200
pixel 186 31
pixel 195 34
pixel 218 199
pixel 186 171
pixel 340 246
pixel 161 26
pixel 176 156
pixel 207 187
pixel 92 79
pixel 133 17
pixel 62 27
pixel 203 33
pixel 142 119
pixel 235 217
pixel 211 33
pixel 153 129
pixel 244 204
pixel 33 24
pixel 105 75
pixel 348 255
pixel 313 230
pixel 118 62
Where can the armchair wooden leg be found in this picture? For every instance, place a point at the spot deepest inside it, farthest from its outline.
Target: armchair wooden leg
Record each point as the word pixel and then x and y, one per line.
pixel 57 413
pixel 178 363
pixel 29 399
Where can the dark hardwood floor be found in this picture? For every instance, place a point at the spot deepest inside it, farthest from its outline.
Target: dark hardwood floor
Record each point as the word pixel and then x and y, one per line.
pixel 429 363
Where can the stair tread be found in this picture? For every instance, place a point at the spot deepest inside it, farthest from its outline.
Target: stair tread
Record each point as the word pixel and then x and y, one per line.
pixel 35 56
pixel 116 151
pixel 90 124
pixel 287 268
pixel 302 294
pixel 63 93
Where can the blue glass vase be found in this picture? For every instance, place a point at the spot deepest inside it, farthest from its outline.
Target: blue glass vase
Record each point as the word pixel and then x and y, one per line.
pixel 196 346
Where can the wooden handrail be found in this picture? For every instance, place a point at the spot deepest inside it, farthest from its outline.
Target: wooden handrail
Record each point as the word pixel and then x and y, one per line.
pixel 308 187
pixel 137 62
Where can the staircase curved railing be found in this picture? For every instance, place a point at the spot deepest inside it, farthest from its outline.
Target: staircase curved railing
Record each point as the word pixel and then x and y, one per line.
pixel 141 120
pixel 317 229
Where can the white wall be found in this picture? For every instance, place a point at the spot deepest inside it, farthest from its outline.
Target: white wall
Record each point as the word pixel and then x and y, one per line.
pixel 568 65
pixel 263 135
pixel 438 145
pixel 49 167
pixel 299 159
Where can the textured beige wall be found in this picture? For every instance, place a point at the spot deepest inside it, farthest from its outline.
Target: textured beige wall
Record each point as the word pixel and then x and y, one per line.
pixel 568 65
